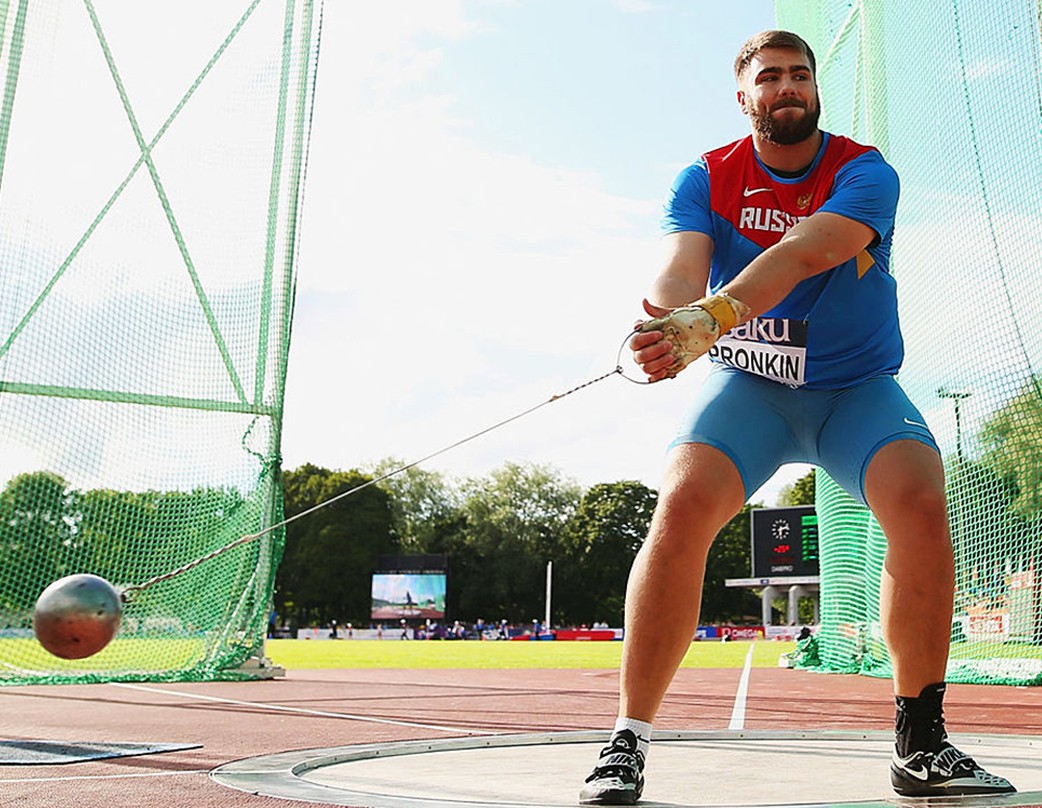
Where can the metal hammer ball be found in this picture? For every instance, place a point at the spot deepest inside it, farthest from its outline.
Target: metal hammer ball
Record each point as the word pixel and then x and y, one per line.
pixel 77 616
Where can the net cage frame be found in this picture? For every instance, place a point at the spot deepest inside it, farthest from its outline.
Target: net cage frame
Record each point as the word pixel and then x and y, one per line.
pixel 971 88
pixel 241 583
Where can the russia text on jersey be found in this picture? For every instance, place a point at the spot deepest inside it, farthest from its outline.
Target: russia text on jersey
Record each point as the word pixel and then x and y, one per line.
pixel 769 220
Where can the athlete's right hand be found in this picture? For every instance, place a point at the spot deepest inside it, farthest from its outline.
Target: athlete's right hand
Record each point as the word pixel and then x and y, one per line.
pixel 651 351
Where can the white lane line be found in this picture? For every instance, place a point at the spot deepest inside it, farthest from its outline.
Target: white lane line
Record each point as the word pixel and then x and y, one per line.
pixel 299 710
pixel 101 776
pixel 738 711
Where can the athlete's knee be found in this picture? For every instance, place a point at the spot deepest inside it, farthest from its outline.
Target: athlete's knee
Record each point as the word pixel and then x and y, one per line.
pixel 687 509
pixel 914 517
pixel 920 505
pixel 906 479
pixel 702 490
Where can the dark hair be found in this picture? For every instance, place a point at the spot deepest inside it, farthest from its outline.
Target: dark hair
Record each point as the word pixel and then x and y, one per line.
pixel 771 39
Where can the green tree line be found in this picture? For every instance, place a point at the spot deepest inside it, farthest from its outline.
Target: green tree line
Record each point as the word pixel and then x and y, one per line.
pixel 498 532
pixel 49 529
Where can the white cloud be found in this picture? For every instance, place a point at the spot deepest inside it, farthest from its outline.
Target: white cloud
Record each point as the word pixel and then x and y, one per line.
pixel 634 6
pixel 987 68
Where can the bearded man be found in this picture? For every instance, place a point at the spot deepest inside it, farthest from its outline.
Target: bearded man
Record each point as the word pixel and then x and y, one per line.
pixel 779 259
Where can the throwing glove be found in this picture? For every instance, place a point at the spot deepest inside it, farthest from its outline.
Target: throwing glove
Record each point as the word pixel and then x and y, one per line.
pixel 693 329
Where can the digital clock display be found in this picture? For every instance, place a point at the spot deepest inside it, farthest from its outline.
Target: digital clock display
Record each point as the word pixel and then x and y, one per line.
pixel 785 542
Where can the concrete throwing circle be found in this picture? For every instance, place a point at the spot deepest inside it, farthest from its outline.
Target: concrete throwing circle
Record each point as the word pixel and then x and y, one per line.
pixel 685 768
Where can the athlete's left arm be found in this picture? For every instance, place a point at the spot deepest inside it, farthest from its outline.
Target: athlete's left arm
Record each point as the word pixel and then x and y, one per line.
pixel 818 243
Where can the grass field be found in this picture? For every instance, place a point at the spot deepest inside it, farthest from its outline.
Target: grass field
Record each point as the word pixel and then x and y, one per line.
pixel 25 653
pixel 314 654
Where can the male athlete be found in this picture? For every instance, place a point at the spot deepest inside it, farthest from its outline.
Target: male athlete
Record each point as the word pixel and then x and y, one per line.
pixel 789 230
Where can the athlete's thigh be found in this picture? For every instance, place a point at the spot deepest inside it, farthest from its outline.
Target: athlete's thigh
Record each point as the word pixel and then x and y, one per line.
pixel 904 486
pixel 861 420
pixel 744 417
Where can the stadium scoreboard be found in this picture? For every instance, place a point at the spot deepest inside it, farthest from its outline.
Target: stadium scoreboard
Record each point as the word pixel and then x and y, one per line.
pixel 784 541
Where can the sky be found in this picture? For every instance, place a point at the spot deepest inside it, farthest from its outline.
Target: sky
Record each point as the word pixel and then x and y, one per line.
pixel 480 224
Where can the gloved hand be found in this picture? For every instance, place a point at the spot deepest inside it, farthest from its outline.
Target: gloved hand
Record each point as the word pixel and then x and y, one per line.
pixel 692 330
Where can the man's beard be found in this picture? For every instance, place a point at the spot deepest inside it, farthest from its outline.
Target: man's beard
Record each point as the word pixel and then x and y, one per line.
pixel 787 132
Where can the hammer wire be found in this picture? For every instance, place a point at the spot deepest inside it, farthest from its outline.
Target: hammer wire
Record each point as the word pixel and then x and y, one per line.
pixel 130 592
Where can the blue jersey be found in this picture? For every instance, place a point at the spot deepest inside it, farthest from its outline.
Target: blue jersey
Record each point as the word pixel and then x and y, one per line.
pixel 835 329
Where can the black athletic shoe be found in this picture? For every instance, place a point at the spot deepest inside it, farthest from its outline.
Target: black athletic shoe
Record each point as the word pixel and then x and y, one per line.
pixel 618 777
pixel 946 772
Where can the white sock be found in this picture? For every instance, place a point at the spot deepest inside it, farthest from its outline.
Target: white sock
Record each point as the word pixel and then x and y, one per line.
pixel 642 729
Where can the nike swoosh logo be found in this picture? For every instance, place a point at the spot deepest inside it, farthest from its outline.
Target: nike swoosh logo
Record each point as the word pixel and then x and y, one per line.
pixel 915 423
pixel 919 774
pixel 747 191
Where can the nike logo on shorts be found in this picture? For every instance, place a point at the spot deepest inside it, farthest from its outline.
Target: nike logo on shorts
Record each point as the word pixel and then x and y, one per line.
pixel 915 423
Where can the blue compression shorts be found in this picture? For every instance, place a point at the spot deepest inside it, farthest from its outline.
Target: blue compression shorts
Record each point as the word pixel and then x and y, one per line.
pixel 760 425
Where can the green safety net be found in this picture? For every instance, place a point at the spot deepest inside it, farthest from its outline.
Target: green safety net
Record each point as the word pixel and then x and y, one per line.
pixel 152 158
pixel 951 92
